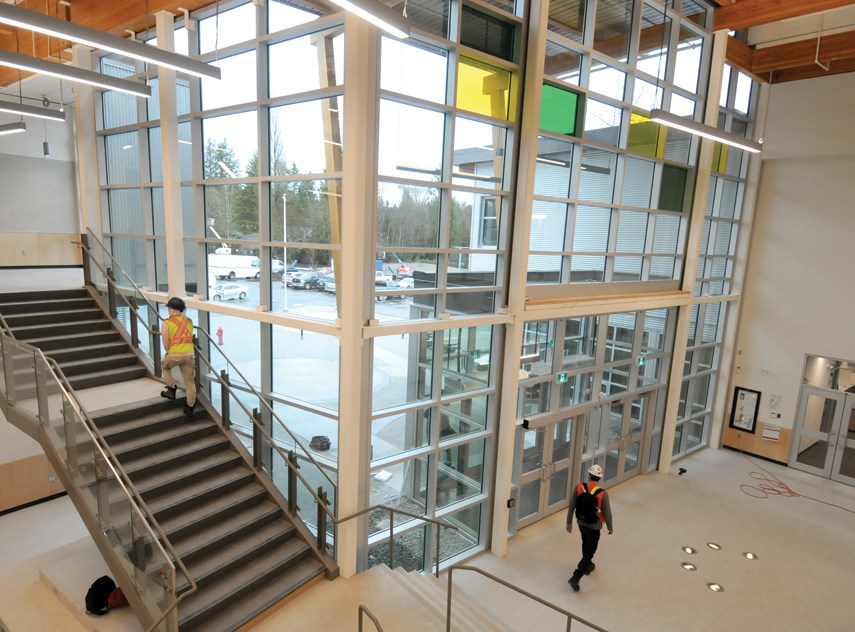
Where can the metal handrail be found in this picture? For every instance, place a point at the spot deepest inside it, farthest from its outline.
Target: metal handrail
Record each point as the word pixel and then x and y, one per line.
pixel 363 609
pixel 570 616
pixel 135 499
pixel 211 345
pixel 263 430
pixel 392 511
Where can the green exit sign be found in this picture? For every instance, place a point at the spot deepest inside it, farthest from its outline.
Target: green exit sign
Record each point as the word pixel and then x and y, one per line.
pixel 562 377
pixel 642 361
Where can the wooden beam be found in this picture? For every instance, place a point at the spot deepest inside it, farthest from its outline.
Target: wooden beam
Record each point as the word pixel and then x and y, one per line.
pixel 813 71
pixel 747 13
pixel 840 46
pixel 739 55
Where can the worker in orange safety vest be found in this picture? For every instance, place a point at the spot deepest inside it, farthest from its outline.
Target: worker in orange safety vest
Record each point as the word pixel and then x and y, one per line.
pixel 176 333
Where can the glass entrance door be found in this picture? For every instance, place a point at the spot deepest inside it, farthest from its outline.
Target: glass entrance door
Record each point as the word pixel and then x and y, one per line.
pixel 547 456
pixel 614 433
pixel 824 435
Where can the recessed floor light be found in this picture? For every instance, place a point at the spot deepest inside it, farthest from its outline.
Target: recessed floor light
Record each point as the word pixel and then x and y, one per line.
pixel 688 566
pixel 750 555
pixel 715 587
pixel 689 550
pixel 714 546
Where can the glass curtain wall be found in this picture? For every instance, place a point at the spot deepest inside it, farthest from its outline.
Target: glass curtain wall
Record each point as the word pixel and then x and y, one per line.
pixel 723 218
pixel 613 189
pixel 261 190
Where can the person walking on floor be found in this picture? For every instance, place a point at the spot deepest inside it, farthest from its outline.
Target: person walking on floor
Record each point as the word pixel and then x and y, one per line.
pixel 592 508
pixel 176 333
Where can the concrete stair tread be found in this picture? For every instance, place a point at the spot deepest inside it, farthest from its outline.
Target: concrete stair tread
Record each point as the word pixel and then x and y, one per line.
pixel 205 537
pixel 252 492
pixel 268 571
pixel 125 355
pixel 245 550
pixel 41 340
pixel 109 376
pixel 199 488
pixel 141 464
pixel 101 347
pixel 253 605
pixel 105 417
pixel 187 468
pixel 432 592
pixel 56 315
pixel 187 427
pixel 115 431
pixel 23 329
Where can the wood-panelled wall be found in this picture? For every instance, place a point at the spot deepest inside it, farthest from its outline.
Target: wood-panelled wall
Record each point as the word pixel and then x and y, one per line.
pixel 27 480
pixel 39 249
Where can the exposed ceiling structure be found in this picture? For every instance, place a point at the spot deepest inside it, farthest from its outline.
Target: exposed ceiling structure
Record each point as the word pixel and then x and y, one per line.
pixel 775 41
pixel 788 40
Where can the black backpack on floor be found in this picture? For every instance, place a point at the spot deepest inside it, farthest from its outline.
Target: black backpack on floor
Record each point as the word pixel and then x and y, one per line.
pixel 96 596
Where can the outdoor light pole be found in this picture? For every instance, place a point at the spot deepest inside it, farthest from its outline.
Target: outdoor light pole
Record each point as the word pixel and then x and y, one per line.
pixel 284 247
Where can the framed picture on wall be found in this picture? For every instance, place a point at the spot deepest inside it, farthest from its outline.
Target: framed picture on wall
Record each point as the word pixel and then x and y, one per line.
pixel 743 414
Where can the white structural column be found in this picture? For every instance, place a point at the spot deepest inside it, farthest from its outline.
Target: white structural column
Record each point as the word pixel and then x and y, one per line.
pixel 361 92
pixel 743 241
pixel 693 245
pixel 520 234
pixel 170 158
pixel 88 181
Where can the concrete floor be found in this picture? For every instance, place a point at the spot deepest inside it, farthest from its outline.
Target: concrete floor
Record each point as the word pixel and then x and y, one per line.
pixel 800 528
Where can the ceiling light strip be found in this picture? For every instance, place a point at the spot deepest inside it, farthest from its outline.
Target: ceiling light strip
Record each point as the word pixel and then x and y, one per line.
pixel 31 110
pixel 13 128
pixel 699 129
pixel 379 15
pixel 41 23
pixel 72 73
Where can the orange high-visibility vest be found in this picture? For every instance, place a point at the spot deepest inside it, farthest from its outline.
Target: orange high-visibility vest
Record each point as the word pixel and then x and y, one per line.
pixel 180 335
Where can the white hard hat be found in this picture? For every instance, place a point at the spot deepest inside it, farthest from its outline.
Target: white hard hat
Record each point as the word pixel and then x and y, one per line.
pixel 595 470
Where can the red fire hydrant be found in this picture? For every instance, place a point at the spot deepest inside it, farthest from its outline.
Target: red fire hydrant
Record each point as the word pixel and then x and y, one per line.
pixel 219 335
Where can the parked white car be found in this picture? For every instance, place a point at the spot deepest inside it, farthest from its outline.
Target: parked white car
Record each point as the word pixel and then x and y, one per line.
pixel 229 291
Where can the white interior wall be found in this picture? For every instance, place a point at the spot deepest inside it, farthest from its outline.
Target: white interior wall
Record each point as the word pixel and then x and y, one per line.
pixel 798 295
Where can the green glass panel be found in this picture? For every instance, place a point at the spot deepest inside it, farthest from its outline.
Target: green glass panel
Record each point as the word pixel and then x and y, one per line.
pixel 673 191
pixel 646 137
pixel 484 89
pixel 558 110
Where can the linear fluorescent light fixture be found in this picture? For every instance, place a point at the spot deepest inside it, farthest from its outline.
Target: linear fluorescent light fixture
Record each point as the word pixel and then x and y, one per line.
pixel 13 128
pixel 41 23
pixel 699 129
pixel 72 73
pixel 31 110
pixel 379 15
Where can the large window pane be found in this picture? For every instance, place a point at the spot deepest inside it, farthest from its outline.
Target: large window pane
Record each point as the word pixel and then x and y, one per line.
pixel 307 63
pixel 306 137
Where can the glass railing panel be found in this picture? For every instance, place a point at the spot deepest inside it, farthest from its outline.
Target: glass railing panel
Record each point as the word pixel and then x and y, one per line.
pixel 4 344
pixel 24 391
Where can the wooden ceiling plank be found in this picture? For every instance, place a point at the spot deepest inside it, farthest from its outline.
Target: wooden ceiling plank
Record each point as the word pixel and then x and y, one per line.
pixel 747 13
pixel 839 46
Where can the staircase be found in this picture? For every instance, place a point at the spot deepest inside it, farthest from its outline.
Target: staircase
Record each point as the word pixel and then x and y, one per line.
pixel 70 327
pixel 244 553
pixel 225 521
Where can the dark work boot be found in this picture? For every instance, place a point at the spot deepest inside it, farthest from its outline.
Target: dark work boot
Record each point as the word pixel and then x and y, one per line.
pixel 188 409
pixel 591 569
pixel 168 392
pixel 574 583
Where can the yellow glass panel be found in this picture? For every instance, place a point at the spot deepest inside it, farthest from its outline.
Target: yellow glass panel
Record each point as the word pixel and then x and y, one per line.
pixel 719 158
pixel 485 89
pixel 646 137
